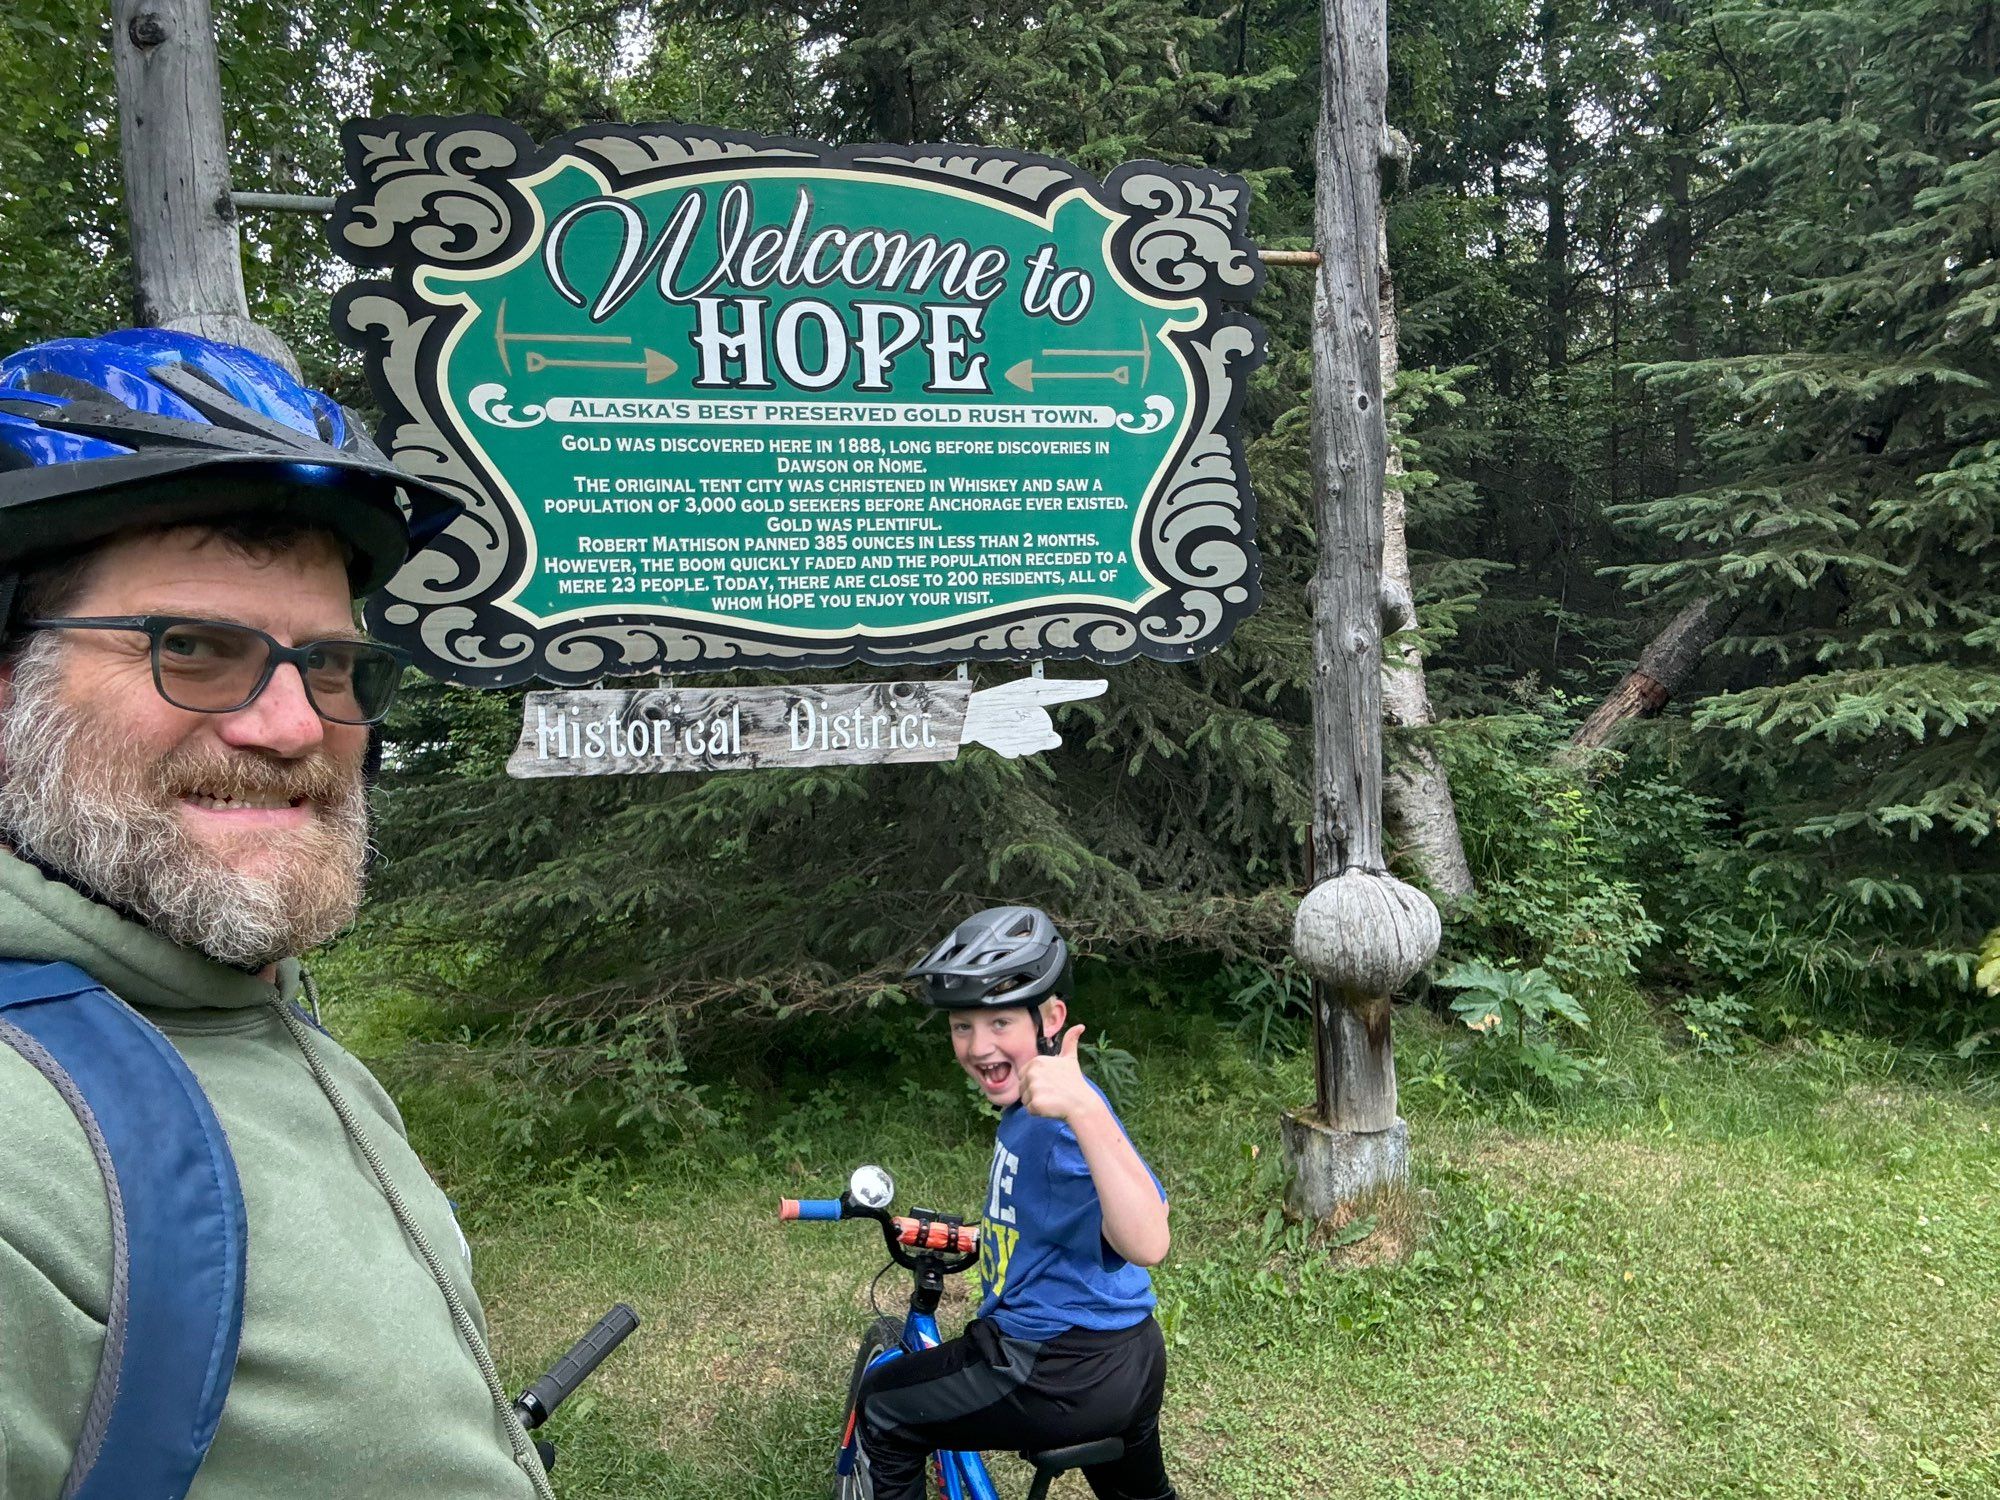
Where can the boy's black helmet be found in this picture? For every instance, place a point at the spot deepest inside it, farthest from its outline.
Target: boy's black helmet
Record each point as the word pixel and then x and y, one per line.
pixel 1011 955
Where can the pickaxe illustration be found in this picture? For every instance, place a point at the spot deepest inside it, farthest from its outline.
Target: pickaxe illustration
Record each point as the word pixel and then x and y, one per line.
pixel 502 338
pixel 1024 375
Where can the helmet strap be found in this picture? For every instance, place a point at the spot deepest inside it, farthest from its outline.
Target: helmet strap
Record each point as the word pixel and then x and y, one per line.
pixel 10 584
pixel 1045 1045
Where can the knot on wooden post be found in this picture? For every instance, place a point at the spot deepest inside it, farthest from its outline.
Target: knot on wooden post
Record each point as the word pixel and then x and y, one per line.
pixel 147 30
pixel 1365 932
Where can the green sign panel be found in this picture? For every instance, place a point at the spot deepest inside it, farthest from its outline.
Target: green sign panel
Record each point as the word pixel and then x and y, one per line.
pixel 722 401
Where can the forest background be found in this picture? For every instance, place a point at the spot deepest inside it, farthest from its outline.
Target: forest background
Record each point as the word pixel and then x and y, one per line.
pixel 1697 312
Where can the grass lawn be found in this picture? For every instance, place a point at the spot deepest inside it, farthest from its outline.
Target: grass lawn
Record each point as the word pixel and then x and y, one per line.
pixel 1772 1275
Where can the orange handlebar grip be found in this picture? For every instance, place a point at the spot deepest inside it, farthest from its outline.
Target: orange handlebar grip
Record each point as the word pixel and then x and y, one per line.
pixel 960 1239
pixel 788 1208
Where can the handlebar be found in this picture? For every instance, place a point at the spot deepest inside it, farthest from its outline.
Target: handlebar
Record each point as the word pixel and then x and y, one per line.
pixel 540 1400
pixel 930 1235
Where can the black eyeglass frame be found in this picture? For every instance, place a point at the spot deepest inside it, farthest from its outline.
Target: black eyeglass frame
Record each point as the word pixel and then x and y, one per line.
pixel 156 627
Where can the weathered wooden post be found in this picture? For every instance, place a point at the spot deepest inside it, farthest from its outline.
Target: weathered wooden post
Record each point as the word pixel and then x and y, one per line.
pixel 1361 933
pixel 186 263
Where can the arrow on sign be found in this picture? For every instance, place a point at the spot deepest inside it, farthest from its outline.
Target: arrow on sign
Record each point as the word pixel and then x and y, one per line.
pixel 1013 718
pixel 656 365
pixel 502 338
pixel 1144 354
pixel 1024 375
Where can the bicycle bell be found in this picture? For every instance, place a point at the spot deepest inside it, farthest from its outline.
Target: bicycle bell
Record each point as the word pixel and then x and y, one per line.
pixel 871 1187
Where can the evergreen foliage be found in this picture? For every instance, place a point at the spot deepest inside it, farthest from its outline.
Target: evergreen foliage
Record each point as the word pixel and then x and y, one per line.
pixel 1697 298
pixel 1851 496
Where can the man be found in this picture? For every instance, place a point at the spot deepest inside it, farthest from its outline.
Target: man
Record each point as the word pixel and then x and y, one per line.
pixel 185 711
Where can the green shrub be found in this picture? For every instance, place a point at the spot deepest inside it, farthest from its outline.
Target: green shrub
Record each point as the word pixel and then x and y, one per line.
pixel 1525 1022
pixel 1714 1022
pixel 1882 951
pixel 1556 855
pixel 1273 1003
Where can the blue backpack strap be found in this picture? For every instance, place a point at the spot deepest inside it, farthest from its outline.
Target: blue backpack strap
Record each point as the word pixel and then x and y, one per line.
pixel 177 1230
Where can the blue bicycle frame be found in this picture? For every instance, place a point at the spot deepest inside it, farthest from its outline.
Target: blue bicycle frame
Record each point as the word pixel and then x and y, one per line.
pixel 931 1247
pixel 962 1476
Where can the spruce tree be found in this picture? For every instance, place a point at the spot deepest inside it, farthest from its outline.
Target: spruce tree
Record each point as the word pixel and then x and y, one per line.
pixel 1852 448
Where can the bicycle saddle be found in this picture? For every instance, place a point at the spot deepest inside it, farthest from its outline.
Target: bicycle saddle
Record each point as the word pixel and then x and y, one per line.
pixel 1053 1461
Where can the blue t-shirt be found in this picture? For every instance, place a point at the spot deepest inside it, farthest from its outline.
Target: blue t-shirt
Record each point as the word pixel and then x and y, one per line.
pixel 1044 1266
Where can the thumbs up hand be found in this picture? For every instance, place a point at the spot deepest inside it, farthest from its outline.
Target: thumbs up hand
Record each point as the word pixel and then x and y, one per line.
pixel 1054 1087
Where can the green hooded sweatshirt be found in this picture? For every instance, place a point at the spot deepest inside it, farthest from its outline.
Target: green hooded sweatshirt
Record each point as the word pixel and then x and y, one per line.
pixel 352 1379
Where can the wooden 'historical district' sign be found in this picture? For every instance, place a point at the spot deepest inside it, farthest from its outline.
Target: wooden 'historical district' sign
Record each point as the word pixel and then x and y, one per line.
pixel 614 732
pixel 720 401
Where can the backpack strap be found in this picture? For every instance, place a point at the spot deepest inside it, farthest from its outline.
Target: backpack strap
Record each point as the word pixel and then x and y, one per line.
pixel 178 1235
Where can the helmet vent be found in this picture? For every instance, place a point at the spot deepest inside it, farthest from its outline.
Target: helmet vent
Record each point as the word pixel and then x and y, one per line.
pixel 192 372
pixel 1011 955
pixel 212 399
pixel 56 383
pixel 23 404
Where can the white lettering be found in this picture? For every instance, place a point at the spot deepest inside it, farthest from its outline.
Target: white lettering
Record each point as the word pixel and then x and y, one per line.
pixel 720 349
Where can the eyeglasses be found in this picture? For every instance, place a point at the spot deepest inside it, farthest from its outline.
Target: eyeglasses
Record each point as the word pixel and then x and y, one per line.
pixel 214 667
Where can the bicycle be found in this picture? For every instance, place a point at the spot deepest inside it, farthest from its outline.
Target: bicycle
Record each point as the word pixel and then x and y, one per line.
pixel 931 1246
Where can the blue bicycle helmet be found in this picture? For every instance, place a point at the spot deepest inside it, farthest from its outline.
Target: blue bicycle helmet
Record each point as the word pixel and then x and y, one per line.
pixel 147 427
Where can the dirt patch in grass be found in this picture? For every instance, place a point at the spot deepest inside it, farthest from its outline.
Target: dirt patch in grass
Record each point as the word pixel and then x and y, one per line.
pixel 1867 1104
pixel 1634 1172
pixel 1379 1228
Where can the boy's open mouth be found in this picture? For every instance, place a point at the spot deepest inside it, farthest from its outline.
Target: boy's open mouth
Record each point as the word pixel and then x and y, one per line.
pixel 994 1075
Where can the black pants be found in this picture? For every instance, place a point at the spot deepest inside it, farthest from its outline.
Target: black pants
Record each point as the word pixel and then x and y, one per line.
pixel 984 1391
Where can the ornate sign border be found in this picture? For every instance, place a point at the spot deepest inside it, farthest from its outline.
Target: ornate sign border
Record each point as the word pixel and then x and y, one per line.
pixel 442 192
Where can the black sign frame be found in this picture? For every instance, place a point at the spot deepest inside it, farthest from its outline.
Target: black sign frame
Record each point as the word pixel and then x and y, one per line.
pixel 444 192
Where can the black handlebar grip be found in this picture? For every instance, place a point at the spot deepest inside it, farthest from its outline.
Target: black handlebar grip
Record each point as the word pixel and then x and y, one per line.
pixel 539 1401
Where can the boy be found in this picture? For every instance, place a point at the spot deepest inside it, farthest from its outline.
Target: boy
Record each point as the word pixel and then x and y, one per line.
pixel 1064 1349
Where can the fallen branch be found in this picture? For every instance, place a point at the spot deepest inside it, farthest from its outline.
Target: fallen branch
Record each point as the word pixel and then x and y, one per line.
pixel 1664 668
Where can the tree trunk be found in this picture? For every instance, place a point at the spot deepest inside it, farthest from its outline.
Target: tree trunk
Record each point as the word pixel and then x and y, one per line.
pixel 1664 668
pixel 1349 444
pixel 1416 795
pixel 1554 475
pixel 1557 149
pixel 185 260
pixel 1360 932
pixel 1684 118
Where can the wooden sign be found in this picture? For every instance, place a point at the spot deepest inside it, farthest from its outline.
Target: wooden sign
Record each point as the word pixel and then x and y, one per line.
pixel 625 732
pixel 718 401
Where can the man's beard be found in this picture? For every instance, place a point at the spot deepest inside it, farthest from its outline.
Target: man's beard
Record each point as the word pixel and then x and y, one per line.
pixel 79 798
